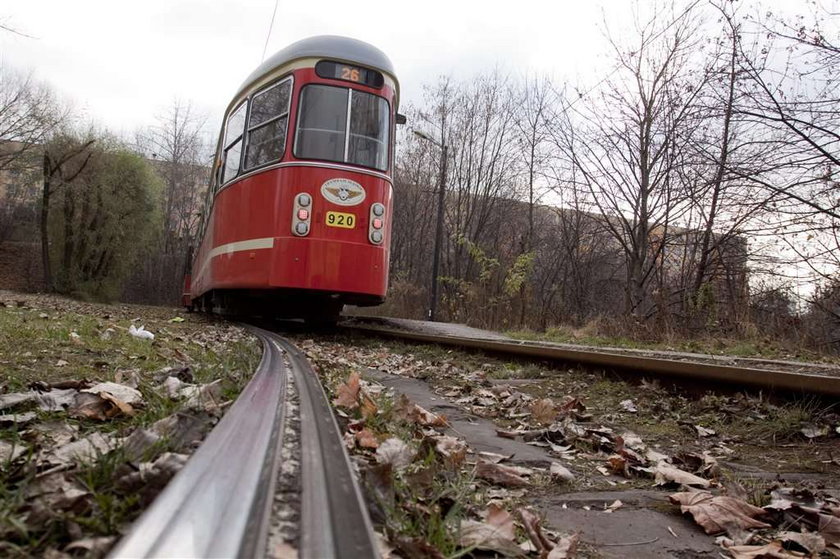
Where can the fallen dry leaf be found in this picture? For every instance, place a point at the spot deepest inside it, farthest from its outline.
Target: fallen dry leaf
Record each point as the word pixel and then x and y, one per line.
pixel 9 452
pixel 628 405
pixel 452 449
pixel 617 464
pixel 772 550
pixel 15 399
pixel 808 511
pixel 99 407
pixel 151 477
pixel 92 547
pixel 123 407
pixel 501 519
pixel 829 528
pixel 348 392
pixel 56 400
pixel 809 541
pixel 183 430
pixel 208 397
pixel 172 386
pixel 815 431
pixel 500 474
pixel 718 514
pixel 560 473
pixel 85 450
pixel 53 494
pixel 366 439
pixel 614 506
pixel 481 535
pixel 75 384
pixel 138 443
pixel 543 411
pixel 395 452
pixel 704 431
pixel 665 473
pixel 531 521
pixel 18 419
pixel 51 434
pixel 565 548
pixel 416 548
pixel 368 406
pixel 506 434
pixel 408 411
pixel 494 457
pixel 570 406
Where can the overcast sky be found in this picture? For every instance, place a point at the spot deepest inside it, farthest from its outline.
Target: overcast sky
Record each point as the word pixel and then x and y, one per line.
pixel 123 62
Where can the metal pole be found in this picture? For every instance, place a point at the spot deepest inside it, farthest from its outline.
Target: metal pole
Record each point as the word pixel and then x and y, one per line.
pixel 438 235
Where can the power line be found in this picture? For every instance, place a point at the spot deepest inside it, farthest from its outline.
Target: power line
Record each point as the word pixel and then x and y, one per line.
pixel 270 27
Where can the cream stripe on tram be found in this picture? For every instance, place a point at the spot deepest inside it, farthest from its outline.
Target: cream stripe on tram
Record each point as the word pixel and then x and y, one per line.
pixel 238 246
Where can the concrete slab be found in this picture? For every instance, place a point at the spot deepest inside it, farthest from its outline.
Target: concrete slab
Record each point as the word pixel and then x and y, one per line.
pixel 479 433
pixel 637 530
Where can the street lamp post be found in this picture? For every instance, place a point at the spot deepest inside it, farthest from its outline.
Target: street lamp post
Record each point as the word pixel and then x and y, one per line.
pixel 439 224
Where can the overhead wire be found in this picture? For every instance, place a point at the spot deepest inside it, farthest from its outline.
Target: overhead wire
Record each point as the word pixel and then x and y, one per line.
pixel 270 28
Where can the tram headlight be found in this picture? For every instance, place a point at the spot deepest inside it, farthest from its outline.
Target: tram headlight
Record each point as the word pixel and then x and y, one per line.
pixel 301 228
pixel 376 237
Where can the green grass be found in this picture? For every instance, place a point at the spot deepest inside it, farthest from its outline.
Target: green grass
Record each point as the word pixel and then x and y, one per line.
pixel 31 347
pixel 427 500
pixel 745 347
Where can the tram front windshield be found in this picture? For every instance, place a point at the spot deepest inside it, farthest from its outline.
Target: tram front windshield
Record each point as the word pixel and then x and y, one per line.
pixel 343 125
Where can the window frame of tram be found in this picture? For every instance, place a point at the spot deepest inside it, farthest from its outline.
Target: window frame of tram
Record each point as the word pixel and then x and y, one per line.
pixel 243 138
pixel 229 144
pixel 272 148
pixel 342 127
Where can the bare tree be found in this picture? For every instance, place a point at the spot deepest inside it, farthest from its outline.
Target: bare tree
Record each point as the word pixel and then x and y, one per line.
pixel 29 113
pixel 626 143
pixel 534 133
pixel 177 146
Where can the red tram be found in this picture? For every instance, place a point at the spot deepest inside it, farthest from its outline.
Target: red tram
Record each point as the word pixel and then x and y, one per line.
pixel 298 217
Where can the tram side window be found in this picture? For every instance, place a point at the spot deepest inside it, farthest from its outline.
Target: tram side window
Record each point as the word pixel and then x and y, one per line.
pixel 267 124
pixel 322 131
pixel 233 143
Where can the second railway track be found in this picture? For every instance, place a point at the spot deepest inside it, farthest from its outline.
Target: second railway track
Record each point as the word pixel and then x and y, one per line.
pixel 762 374
pixel 223 503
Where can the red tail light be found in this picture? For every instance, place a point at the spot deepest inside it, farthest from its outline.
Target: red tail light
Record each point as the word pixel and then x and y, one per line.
pixel 301 216
pixel 377 222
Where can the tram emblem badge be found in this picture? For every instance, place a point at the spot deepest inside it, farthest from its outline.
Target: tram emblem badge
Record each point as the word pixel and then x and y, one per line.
pixel 343 192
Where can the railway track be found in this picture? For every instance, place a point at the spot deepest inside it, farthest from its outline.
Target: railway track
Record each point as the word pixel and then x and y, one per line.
pixel 780 376
pixel 223 502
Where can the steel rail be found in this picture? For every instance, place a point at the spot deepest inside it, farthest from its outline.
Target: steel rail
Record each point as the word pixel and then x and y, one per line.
pixel 804 383
pixel 218 505
pixel 334 518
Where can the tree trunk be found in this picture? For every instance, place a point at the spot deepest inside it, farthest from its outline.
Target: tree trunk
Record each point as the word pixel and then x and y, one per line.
pixel 45 213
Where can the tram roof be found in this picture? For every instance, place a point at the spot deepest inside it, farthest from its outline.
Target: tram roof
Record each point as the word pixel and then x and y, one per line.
pixel 343 49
